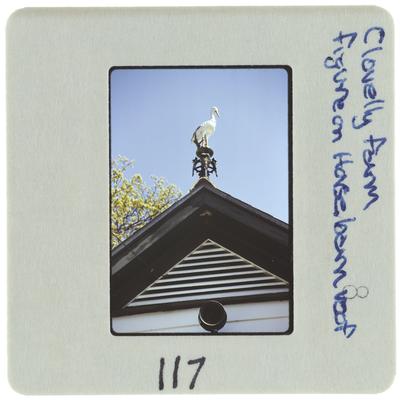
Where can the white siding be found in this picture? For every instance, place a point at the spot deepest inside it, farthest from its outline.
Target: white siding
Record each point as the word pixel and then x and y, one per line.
pixel 269 316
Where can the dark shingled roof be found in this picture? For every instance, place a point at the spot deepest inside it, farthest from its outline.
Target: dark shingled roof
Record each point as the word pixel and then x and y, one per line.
pixel 204 213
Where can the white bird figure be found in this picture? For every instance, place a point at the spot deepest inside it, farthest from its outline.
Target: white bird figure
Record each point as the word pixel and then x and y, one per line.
pixel 205 130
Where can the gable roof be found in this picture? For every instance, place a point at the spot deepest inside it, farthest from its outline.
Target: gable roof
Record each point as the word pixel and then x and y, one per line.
pixel 204 213
pixel 209 272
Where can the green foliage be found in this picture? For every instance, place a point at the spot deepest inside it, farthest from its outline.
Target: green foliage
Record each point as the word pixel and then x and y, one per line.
pixel 134 203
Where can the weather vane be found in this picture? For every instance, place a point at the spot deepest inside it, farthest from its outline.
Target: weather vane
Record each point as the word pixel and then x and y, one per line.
pixel 204 164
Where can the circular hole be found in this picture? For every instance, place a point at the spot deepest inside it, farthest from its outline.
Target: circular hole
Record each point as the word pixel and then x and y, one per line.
pixel 212 316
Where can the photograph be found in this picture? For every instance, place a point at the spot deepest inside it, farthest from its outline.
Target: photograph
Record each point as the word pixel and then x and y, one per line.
pixel 201 200
pixel 192 192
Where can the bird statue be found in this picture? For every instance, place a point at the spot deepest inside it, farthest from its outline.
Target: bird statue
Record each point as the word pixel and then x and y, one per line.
pixel 205 130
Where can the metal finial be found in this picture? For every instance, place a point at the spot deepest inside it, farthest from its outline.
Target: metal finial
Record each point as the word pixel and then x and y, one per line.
pixel 204 164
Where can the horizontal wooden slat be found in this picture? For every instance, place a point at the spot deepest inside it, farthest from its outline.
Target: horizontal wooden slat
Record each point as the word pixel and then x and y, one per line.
pixel 209 296
pixel 188 271
pixel 205 251
pixel 210 283
pixel 252 272
pixel 210 271
pixel 205 257
pixel 193 264
pixel 183 292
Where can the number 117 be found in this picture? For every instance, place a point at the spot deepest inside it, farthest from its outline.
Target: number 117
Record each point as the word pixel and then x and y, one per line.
pixel 200 361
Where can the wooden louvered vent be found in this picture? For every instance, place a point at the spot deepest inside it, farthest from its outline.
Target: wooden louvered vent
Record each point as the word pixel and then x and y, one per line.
pixel 210 272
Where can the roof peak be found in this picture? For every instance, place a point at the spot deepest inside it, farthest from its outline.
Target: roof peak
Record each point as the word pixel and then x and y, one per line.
pixel 203 181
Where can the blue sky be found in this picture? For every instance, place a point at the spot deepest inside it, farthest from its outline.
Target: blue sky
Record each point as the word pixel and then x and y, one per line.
pixel 155 111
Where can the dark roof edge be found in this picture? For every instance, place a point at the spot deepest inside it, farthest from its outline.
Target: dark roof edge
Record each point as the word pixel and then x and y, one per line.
pixel 150 224
pixel 248 207
pixel 198 187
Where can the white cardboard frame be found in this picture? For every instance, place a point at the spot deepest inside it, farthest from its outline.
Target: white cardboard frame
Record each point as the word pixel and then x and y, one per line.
pixel 58 157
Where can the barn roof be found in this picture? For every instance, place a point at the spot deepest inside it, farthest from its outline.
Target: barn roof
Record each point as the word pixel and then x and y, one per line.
pixel 141 263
